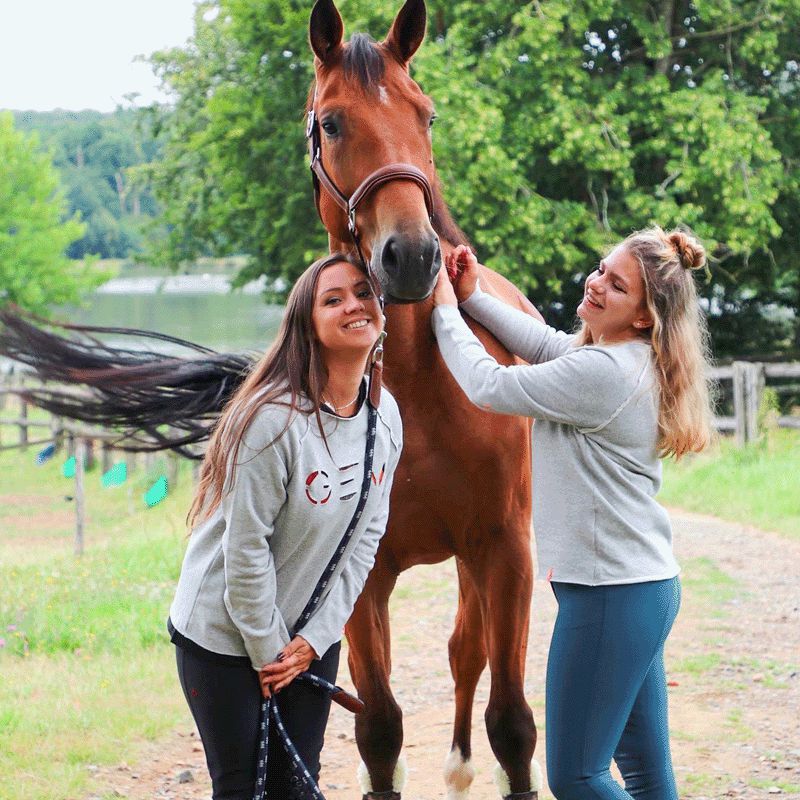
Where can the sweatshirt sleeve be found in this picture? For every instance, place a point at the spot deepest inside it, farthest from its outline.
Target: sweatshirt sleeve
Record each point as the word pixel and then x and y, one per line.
pixel 583 388
pixel 521 333
pixel 250 508
pixel 326 625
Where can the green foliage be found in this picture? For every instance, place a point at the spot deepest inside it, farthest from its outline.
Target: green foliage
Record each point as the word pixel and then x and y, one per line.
pixel 563 126
pixel 97 156
pixel 33 232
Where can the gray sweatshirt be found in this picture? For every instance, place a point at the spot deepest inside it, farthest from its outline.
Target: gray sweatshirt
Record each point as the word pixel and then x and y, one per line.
pixel 250 569
pixel 596 468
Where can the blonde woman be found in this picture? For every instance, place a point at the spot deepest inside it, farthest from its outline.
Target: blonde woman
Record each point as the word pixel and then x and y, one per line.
pixel 627 389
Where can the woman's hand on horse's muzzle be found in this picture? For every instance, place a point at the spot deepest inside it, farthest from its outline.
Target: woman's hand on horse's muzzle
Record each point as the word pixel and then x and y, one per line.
pixel 443 294
pixel 462 266
pixel 294 659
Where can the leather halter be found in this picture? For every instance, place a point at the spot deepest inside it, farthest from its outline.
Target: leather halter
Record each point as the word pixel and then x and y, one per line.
pixel 385 174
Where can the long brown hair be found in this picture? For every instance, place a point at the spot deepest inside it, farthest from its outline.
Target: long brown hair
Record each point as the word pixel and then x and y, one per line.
pixel 292 373
pixel 679 336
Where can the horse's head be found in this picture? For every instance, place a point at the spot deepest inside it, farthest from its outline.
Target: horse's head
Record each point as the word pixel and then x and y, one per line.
pixel 371 114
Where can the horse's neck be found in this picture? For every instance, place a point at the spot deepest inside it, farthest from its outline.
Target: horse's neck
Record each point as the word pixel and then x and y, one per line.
pixel 410 343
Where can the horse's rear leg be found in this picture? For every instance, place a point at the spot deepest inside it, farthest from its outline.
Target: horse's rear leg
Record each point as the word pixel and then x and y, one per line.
pixel 467 662
pixel 379 728
pixel 506 586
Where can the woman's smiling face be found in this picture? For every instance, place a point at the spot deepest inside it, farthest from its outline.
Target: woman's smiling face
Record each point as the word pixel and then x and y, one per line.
pixel 614 306
pixel 346 316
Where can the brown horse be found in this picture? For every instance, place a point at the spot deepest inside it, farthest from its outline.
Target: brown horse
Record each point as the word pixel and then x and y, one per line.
pixel 463 484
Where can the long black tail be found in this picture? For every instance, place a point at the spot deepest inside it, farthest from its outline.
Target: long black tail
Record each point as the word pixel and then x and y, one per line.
pixel 156 401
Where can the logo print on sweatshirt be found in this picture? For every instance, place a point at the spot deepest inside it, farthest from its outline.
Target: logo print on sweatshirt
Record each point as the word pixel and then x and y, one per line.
pixel 318 484
pixel 318 487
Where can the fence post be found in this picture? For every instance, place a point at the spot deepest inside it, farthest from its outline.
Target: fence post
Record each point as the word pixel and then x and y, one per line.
pixel 107 457
pixel 23 423
pixel 748 385
pixel 755 390
pixel 57 431
pixel 173 467
pixel 80 454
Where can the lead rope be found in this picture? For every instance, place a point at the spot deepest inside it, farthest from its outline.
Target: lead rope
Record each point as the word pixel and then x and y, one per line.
pixel 309 790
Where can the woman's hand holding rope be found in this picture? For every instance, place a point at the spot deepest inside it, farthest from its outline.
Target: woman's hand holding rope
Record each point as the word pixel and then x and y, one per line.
pixel 293 660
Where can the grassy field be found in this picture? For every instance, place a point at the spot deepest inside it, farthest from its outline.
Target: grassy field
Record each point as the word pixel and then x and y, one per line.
pixel 758 485
pixel 88 672
pixel 88 675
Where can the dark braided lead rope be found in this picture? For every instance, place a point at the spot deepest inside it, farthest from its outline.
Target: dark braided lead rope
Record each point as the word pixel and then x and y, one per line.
pixel 309 790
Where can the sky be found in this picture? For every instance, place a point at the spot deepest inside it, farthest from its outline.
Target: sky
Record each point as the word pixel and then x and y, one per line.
pixel 77 54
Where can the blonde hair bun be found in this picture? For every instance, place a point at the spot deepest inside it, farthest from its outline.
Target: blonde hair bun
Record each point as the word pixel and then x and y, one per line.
pixel 691 253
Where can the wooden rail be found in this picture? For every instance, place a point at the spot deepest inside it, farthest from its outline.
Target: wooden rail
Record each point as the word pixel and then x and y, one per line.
pixel 749 381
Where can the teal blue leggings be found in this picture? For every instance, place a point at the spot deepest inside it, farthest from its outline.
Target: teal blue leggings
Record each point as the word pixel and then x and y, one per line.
pixel 607 691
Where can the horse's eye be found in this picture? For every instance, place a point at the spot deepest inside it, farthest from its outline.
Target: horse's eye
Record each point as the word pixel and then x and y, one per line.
pixel 330 128
pixel 432 120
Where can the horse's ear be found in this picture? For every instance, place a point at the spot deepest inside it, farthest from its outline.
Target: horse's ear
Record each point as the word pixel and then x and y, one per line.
pixel 408 30
pixel 325 30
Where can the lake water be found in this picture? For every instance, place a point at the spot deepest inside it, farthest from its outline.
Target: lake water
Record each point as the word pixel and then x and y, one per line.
pixel 199 308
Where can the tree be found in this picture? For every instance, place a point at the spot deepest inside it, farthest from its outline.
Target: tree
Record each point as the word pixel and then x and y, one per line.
pixel 563 126
pixel 34 273
pixel 97 156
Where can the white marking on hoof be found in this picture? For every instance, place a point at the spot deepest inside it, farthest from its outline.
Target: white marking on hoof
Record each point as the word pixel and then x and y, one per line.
pixel 383 95
pixel 501 781
pixel 458 775
pixel 504 786
pixel 364 780
pixel 398 778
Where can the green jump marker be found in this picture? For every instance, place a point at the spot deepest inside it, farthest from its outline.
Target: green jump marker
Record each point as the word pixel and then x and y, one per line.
pixel 157 492
pixel 68 470
pixel 116 476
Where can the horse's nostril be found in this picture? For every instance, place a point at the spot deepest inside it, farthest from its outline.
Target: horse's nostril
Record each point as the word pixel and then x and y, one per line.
pixel 391 256
pixel 436 261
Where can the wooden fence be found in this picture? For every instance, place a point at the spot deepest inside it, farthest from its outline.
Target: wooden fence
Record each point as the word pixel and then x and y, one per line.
pixel 80 441
pixel 749 380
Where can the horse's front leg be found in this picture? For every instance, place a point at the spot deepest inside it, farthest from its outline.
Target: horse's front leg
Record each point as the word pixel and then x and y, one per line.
pixel 506 586
pixel 467 662
pixel 379 728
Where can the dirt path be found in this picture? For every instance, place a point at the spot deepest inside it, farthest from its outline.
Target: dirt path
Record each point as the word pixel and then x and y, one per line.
pixel 734 656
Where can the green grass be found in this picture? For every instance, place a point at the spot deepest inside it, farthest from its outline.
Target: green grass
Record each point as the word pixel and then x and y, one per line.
pixel 87 669
pixel 708 583
pixel 758 485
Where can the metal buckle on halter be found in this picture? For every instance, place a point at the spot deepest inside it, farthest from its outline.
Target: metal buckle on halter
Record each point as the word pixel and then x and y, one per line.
pixel 310 124
pixel 351 220
pixel 377 352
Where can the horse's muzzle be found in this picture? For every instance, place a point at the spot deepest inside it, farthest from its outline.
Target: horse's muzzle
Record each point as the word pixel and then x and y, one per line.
pixel 407 266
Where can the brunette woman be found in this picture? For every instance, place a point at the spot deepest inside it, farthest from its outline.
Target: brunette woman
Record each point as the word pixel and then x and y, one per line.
pixel 279 484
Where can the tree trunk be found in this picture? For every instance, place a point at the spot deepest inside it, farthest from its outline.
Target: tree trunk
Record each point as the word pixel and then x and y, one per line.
pixel 666 15
pixel 121 191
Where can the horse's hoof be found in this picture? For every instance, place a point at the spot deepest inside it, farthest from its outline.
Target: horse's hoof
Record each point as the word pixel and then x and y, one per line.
pixel 390 795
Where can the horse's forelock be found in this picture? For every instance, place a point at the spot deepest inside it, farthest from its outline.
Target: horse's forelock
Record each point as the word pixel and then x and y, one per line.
pixel 362 60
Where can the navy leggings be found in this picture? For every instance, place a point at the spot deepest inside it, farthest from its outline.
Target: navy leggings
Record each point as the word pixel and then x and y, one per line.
pixel 607 691
pixel 225 701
